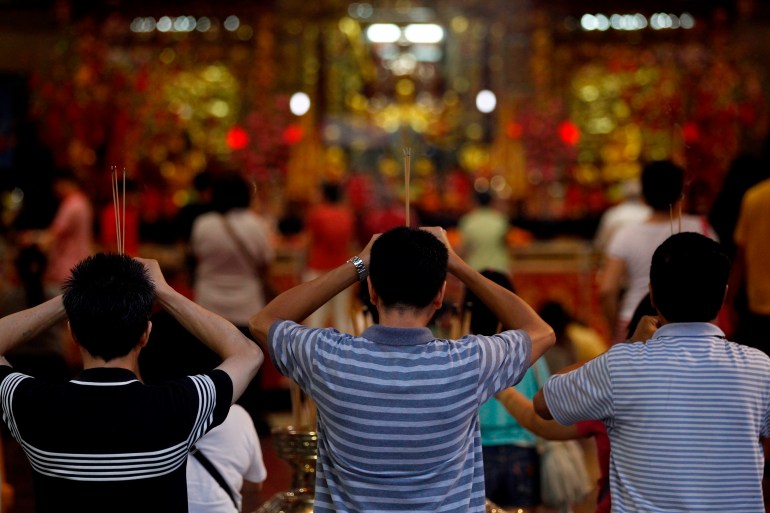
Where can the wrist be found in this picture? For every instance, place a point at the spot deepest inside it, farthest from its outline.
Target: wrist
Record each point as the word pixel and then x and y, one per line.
pixel 361 269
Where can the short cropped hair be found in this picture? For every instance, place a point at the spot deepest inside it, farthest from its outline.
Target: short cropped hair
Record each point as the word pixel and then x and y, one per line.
pixel 688 276
pixel 662 184
pixel 230 191
pixel 408 267
pixel 108 299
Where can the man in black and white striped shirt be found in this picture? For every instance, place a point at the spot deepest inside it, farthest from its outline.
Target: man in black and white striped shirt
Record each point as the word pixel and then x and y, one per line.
pixel 105 441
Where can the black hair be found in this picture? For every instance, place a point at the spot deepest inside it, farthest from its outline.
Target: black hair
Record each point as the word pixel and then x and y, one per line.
pixel 662 184
pixel 229 191
pixel 483 320
pixel 408 267
pixel 688 277
pixel 108 299
pixel 483 198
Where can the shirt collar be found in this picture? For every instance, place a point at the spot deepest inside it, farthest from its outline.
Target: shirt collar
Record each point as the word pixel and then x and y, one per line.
pixel 106 375
pixel 394 336
pixel 688 329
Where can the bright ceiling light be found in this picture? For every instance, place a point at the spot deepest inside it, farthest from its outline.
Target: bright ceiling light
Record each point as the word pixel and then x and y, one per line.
pixel 426 33
pixel 383 33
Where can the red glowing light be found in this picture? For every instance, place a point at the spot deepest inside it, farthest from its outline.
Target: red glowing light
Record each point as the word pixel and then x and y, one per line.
pixel 293 134
pixel 237 138
pixel 569 133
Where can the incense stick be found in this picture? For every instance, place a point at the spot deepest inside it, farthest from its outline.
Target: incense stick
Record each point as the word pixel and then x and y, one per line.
pixel 120 215
pixel 123 217
pixel 407 166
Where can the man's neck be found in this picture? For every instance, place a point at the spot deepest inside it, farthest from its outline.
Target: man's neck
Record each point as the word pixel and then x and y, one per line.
pixel 127 362
pixel 405 317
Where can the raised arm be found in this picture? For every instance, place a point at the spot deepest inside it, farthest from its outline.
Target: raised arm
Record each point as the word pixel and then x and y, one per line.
pixel 20 327
pixel 299 302
pixel 241 357
pixel 523 411
pixel 512 311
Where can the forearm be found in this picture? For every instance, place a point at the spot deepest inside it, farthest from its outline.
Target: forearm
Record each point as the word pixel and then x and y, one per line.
pixel 299 302
pixel 20 327
pixel 541 407
pixel 523 411
pixel 609 304
pixel 512 311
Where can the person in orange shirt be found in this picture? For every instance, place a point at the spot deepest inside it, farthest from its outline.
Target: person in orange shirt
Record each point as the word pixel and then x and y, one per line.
pixel 331 231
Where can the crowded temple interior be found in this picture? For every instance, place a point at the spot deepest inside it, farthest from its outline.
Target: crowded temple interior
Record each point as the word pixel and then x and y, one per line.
pixel 533 132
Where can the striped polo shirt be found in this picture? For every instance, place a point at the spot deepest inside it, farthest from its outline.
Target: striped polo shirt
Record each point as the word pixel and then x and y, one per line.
pixel 397 409
pixel 684 411
pixel 105 441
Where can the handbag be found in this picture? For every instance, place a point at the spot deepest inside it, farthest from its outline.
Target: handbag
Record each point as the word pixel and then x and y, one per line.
pixel 563 471
pixel 563 474
pixel 206 463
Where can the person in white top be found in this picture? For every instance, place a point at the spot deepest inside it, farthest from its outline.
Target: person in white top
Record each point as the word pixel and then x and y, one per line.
pixel 233 448
pixel 232 251
pixel 631 210
pixel 629 252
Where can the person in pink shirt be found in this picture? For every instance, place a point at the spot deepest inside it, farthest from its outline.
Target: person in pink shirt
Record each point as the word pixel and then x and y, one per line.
pixel 69 238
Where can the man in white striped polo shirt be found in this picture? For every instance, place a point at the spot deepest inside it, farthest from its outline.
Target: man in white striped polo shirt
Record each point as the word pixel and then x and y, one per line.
pixel 686 410
pixel 398 422
pixel 105 441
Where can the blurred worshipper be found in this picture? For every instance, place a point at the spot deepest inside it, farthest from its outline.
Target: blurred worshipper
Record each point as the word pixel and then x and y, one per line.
pixel 397 409
pixel 232 251
pixel 129 441
pixel 69 238
pixel 129 225
pixel 630 210
pixel 627 259
pixel 43 356
pixel 685 404
pixel 575 341
pixel 233 449
pixel 331 230
pixel 484 232
pixel 643 325
pixel 511 460
pixel 200 203
pixel 752 269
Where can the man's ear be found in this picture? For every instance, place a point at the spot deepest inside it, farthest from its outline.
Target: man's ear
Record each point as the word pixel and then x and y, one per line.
pixel 373 297
pixel 72 335
pixel 145 336
pixel 439 299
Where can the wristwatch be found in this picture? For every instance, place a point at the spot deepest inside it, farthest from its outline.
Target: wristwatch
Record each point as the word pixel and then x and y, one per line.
pixel 361 269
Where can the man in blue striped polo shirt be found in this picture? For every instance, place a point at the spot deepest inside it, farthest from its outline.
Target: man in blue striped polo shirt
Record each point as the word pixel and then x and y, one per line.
pixel 398 422
pixel 686 410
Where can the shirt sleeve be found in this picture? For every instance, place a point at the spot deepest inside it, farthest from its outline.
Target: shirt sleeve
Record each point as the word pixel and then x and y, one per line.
pixel 503 360
pixel 214 390
pixel 291 347
pixel 583 394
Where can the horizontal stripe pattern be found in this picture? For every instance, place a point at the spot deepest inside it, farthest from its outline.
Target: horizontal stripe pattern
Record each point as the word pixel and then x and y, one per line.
pixel 398 425
pixel 685 412
pixel 110 467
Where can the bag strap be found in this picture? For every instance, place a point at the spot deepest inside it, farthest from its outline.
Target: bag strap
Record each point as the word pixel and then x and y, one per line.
pixel 251 259
pixel 206 463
